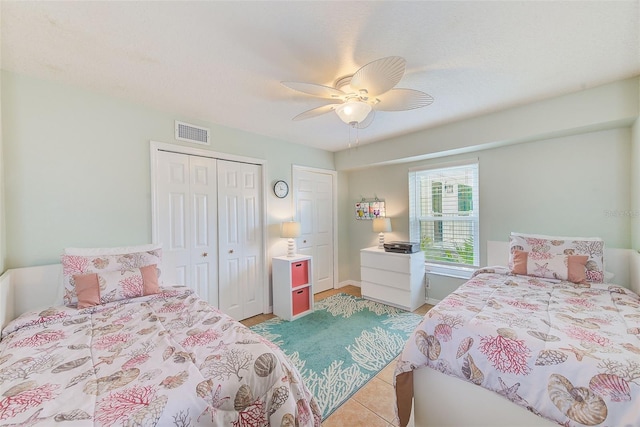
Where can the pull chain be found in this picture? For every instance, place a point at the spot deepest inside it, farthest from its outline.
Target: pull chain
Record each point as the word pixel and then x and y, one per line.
pixel 354 125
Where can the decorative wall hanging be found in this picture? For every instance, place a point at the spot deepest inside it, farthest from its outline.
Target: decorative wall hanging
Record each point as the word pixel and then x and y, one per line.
pixel 370 208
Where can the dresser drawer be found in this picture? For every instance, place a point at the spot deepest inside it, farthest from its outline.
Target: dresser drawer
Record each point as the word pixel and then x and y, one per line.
pixel 386 261
pixel 386 278
pixel 388 295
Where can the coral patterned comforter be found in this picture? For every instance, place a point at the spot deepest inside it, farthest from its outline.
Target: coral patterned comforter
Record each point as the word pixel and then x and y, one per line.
pixel 168 359
pixel 566 352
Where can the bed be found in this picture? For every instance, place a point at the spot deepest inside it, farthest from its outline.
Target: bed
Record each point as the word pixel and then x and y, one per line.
pixel 141 353
pixel 511 349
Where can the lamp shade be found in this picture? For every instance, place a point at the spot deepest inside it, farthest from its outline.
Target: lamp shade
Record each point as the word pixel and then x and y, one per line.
pixel 353 111
pixel 381 225
pixel 290 229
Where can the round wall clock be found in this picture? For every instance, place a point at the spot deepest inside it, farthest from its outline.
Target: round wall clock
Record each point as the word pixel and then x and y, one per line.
pixel 281 189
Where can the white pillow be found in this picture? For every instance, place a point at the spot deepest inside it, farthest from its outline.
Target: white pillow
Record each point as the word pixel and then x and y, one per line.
pixel 112 251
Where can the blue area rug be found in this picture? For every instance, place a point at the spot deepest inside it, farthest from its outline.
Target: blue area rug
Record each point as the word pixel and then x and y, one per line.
pixel 341 345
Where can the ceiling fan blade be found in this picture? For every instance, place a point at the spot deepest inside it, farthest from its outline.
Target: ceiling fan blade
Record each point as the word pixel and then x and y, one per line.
pixel 315 89
pixel 315 112
pixel 379 76
pixel 403 99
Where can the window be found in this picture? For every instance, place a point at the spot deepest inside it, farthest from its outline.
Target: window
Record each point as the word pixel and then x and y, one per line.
pixel 444 214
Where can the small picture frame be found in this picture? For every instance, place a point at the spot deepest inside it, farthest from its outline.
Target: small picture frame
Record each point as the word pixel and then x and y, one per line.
pixel 362 210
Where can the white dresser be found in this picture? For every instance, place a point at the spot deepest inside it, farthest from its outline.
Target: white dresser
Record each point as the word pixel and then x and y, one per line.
pixel 391 278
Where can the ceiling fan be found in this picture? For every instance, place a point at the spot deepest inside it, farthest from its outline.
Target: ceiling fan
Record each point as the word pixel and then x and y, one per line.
pixel 358 96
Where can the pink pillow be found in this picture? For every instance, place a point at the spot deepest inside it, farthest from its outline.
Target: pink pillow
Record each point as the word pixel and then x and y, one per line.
pixel 149 280
pixel 550 266
pixel 87 289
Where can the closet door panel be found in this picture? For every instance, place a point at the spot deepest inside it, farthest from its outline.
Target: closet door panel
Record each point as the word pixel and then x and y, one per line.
pixel 204 250
pixel 240 240
pixel 187 215
pixel 230 223
pixel 252 241
pixel 173 215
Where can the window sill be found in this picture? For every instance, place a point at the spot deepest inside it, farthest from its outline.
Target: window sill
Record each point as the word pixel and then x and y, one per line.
pixel 449 271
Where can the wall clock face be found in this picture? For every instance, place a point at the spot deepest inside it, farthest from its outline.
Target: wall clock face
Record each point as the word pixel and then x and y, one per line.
pixel 281 189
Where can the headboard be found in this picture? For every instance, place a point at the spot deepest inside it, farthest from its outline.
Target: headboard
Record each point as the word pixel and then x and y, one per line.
pixel 624 263
pixel 29 288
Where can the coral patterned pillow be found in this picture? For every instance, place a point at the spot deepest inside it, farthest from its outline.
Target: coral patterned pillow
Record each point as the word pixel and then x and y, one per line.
pixel 101 288
pixel 548 266
pixel 592 247
pixel 104 261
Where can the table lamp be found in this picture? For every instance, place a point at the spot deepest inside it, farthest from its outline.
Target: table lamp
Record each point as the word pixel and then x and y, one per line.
pixel 290 230
pixel 381 225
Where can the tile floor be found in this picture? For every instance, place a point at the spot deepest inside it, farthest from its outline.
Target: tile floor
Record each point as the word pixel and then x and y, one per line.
pixel 373 404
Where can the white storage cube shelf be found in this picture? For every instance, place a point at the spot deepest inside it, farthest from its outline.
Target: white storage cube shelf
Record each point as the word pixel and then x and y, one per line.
pixel 292 286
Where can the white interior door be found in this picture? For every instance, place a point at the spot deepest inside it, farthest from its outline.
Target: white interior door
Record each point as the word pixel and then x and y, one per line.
pixel 186 213
pixel 240 239
pixel 314 200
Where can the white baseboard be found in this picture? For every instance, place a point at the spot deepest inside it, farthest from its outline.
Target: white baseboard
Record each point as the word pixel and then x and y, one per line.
pixel 348 283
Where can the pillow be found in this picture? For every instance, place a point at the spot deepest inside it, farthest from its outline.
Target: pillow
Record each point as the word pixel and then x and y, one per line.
pixel 102 260
pixel 549 266
pixel 101 288
pixel 87 290
pixel 593 247
pixel 112 251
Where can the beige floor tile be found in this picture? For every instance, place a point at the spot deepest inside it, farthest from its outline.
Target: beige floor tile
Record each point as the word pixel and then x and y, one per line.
pixel 379 397
pixel 386 374
pixel 353 414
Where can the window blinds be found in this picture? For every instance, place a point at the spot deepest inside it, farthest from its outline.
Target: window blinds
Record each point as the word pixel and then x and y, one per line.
pixel 444 213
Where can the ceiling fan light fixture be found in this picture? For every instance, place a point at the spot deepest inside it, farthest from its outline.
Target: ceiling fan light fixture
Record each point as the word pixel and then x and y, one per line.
pixel 353 111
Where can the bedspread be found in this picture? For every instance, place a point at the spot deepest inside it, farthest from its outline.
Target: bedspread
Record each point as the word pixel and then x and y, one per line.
pixel 168 359
pixel 566 352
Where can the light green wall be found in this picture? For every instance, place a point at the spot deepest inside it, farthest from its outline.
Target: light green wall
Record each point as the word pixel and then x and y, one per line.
pixel 77 168
pixel 559 186
pixel 3 228
pixel 635 184
pixel 607 106
pixel 559 166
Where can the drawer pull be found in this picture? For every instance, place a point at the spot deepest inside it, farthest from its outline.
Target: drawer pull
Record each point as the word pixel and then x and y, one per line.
pixel 299 264
pixel 299 292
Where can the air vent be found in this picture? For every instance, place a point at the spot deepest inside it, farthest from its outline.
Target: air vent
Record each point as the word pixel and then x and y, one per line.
pixel 192 133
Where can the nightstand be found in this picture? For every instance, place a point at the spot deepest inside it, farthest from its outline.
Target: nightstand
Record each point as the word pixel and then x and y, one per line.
pixel 292 286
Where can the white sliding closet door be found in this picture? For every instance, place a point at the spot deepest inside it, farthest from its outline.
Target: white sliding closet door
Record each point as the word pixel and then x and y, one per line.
pixel 187 217
pixel 240 239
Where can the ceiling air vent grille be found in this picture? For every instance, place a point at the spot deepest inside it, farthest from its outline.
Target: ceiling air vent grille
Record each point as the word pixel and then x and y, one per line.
pixel 192 133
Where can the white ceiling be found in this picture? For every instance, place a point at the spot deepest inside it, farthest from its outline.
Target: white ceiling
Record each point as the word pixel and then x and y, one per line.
pixel 222 62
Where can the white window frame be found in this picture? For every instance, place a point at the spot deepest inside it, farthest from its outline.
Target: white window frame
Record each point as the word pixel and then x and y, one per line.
pixel 443 267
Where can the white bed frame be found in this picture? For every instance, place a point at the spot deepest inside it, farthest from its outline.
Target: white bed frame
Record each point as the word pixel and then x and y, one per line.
pixel 29 288
pixel 441 400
